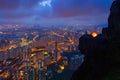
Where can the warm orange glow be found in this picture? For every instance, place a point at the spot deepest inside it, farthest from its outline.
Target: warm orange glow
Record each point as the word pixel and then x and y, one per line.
pixel 62 67
pixel 0 70
pixel 21 73
pixel 45 52
pixel 71 41
pixel 94 34
pixel 6 75
pixel 32 55
pixel 34 49
pixel 12 46
pixel 66 49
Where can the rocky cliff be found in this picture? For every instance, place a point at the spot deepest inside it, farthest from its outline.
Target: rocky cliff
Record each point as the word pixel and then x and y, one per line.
pixel 113 20
pixel 102 53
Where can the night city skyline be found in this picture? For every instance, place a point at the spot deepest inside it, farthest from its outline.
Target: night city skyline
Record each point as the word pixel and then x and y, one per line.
pixel 52 12
pixel 59 39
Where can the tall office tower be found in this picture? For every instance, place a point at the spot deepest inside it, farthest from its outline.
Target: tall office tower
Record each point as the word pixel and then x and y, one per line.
pixel 26 52
pixel 7 56
pixel 17 74
pixel 34 60
pixel 40 64
pixel 26 75
pixel 29 50
pixel 20 52
pixel 1 56
pixel 56 51
pixel 32 74
pixel 12 53
pixel 23 53
pixel 15 52
pixel 40 71
pixel 29 73
pixel 46 58
pixel 25 57
pixel 8 53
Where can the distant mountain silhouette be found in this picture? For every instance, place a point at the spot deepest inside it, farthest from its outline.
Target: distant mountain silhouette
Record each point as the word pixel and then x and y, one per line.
pixel 102 53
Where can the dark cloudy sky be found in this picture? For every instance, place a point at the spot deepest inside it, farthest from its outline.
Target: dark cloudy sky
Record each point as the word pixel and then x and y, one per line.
pixel 54 11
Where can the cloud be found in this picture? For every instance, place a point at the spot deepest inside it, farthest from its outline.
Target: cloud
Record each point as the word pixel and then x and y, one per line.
pixel 66 9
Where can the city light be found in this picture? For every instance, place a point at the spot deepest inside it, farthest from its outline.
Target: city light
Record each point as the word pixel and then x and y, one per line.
pixel 45 52
pixel 32 55
pixel 51 39
pixel 62 67
pixel 7 75
pixel 38 52
pixel 0 70
pixel 21 73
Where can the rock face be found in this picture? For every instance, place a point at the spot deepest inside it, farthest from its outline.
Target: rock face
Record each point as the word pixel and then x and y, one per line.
pixel 98 58
pixel 113 20
pixel 102 53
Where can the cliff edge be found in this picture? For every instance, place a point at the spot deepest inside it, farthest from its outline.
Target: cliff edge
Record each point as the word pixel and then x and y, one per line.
pixel 102 53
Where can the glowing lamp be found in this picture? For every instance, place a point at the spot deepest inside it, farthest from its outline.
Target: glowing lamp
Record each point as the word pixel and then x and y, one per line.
pixel 94 34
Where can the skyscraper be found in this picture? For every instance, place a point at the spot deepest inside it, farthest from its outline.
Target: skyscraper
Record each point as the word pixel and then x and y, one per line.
pixel 40 70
